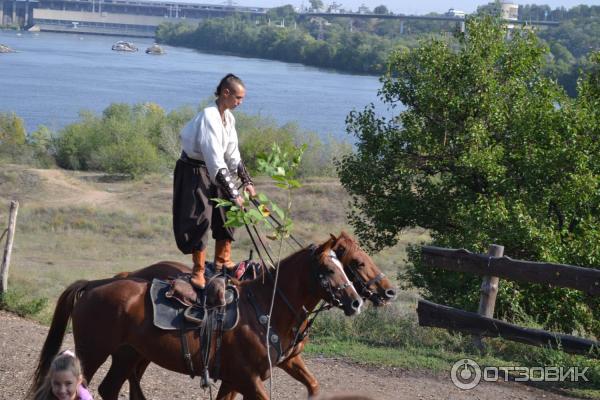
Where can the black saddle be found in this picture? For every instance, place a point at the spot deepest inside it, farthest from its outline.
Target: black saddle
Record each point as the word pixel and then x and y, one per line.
pixel 169 314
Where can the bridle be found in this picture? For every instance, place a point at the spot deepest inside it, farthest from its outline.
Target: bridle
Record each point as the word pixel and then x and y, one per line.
pixel 305 317
pixel 325 283
pixel 362 286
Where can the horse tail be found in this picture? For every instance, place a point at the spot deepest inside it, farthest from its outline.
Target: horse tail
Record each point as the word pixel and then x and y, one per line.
pixel 58 327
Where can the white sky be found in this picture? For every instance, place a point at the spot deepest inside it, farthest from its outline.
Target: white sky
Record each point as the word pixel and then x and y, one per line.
pixel 402 6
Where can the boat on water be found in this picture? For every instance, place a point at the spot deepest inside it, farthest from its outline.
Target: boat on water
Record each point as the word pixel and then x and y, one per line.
pixel 122 45
pixel 155 49
pixel 5 49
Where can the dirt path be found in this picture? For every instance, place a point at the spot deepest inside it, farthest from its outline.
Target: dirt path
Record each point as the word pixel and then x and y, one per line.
pixel 67 190
pixel 21 341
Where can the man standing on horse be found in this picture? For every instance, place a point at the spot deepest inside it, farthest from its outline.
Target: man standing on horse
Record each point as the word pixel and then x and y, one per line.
pixel 209 161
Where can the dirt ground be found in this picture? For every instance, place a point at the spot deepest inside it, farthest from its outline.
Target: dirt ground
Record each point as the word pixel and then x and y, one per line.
pixel 22 339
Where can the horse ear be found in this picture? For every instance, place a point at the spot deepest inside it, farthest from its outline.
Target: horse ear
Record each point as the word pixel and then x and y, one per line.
pixel 332 237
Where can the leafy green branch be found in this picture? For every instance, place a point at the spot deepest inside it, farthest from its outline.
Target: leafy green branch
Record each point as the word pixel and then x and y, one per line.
pixel 282 166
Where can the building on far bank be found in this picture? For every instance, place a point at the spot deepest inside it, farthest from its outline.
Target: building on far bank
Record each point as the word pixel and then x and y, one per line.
pixel 364 9
pixel 455 13
pixel 509 10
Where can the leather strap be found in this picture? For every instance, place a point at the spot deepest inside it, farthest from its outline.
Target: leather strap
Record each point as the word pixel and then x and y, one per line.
pixel 273 334
pixel 219 332
pixel 187 357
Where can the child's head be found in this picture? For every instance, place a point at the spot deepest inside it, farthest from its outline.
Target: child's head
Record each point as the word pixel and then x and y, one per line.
pixel 63 379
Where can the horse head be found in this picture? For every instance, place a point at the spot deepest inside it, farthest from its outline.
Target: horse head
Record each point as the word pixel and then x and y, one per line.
pixel 367 278
pixel 335 287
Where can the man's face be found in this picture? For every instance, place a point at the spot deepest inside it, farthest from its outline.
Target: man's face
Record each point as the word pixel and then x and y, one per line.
pixel 234 96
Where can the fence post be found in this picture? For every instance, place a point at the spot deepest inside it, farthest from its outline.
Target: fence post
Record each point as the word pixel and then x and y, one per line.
pixel 489 291
pixel 12 221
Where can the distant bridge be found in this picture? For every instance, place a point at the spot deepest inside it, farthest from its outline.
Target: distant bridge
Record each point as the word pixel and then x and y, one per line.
pixel 403 18
pixel 115 17
pixel 141 17
pixel 417 17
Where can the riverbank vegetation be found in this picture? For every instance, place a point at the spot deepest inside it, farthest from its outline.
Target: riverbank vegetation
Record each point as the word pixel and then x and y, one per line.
pixel 136 140
pixel 362 46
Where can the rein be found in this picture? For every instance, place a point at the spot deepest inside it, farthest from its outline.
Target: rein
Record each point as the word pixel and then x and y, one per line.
pixel 308 317
pixel 364 291
pixel 276 221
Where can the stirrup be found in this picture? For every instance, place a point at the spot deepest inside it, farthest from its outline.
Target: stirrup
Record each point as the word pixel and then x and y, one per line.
pixel 196 313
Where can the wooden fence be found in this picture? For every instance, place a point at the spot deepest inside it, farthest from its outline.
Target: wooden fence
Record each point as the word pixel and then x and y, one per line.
pixel 492 267
pixel 10 233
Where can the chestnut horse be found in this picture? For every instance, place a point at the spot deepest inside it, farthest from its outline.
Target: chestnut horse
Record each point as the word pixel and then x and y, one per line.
pixel 109 314
pixel 366 277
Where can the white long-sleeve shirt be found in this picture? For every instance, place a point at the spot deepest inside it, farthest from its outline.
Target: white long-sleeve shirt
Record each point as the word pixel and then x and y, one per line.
pixel 205 138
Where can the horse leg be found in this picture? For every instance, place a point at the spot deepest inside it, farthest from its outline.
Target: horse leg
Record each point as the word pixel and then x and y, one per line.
pixel 90 362
pixel 135 389
pixel 297 369
pixel 124 363
pixel 254 389
pixel 226 392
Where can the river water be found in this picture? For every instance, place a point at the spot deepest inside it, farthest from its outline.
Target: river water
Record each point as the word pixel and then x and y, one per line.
pixel 53 76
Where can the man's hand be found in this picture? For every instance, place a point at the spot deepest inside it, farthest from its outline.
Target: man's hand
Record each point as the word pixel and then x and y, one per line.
pixel 239 201
pixel 251 191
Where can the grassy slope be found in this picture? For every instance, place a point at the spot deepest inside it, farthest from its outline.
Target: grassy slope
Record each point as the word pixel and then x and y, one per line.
pixel 74 225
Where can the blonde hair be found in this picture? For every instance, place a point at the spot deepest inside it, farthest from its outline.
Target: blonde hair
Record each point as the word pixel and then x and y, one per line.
pixel 65 361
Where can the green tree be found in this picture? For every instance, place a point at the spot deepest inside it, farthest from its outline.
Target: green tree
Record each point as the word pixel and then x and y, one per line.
pixel 316 5
pixel 383 10
pixel 488 150
pixel 493 8
pixel 12 130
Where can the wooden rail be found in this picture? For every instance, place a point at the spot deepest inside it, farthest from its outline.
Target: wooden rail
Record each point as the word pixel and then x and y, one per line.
pixel 439 316
pixel 493 266
pixel 584 279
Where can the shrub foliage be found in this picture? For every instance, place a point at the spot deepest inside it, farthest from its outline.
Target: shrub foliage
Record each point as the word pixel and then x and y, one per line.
pixel 135 140
pixel 487 151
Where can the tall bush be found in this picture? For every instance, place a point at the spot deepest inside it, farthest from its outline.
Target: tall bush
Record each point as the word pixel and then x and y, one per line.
pixel 131 140
pixel 12 130
pixel 487 151
pixel 143 138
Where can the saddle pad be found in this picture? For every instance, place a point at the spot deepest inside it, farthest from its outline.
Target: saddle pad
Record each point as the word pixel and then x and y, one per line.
pixel 168 314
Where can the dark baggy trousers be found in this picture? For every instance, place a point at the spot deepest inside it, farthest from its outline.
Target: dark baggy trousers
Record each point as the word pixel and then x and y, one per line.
pixel 193 211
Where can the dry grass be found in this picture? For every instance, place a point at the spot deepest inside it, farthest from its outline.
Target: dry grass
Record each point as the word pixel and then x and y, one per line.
pixel 82 225
pixel 74 225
